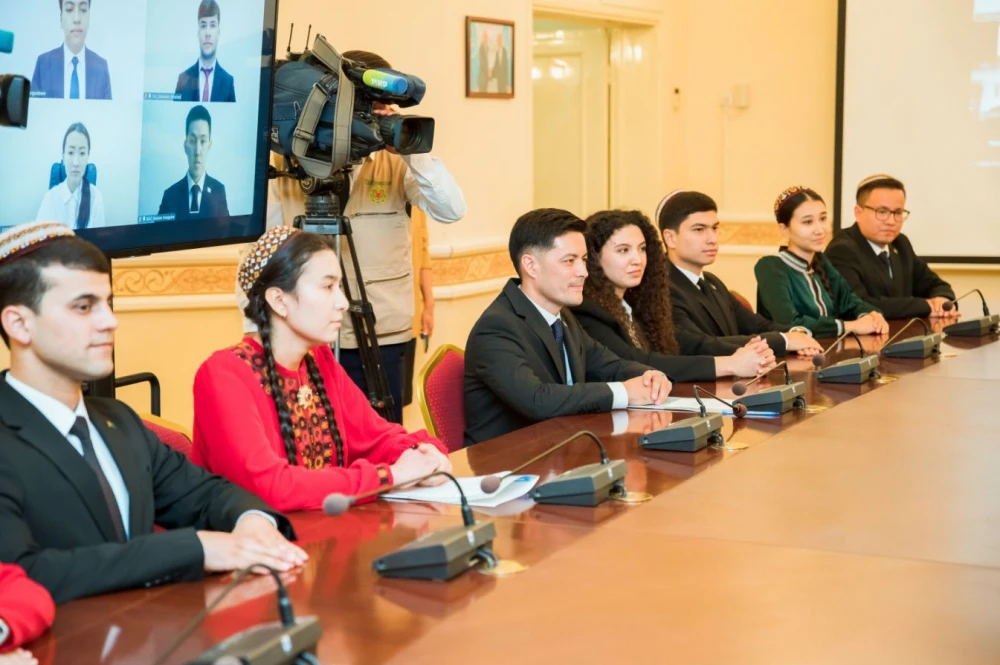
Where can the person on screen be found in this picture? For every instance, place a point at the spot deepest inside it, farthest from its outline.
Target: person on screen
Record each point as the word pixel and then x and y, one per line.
pixel 206 81
pixel 82 480
pixel 627 303
pixel 74 202
pixel 197 195
pixel 72 71
pixel 708 318
pixel 800 286
pixel 878 261
pixel 527 358
pixel 26 611
pixel 276 414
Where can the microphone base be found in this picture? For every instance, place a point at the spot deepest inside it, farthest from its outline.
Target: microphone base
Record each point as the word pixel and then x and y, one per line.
pixel 921 346
pixel 588 485
pixel 853 370
pixel 980 327
pixel 687 436
pixel 776 399
pixel 440 555
pixel 267 644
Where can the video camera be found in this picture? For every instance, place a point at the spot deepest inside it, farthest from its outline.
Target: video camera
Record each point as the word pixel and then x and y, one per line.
pixel 14 90
pixel 323 112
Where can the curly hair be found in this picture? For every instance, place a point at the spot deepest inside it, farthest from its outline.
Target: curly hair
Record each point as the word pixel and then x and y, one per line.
pixel 650 301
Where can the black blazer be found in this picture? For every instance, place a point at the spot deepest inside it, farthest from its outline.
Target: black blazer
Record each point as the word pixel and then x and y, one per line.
pixel 223 86
pixel 604 328
pixel 55 524
pixel 904 295
pixel 213 200
pixel 515 375
pixel 719 330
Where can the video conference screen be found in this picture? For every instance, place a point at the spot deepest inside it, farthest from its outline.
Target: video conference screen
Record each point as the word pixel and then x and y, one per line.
pixel 147 125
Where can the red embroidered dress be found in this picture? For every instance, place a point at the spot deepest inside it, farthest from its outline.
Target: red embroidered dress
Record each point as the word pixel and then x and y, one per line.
pixel 25 607
pixel 237 434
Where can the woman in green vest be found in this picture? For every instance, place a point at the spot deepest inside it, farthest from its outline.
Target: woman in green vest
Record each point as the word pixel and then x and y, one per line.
pixel 800 286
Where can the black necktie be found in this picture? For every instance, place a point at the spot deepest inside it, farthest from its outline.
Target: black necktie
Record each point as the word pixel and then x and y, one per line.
pixel 884 258
pixel 560 334
pixel 195 199
pixel 81 430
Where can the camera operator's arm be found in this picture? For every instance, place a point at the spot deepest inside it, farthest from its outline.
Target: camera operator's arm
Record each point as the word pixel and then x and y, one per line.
pixel 431 188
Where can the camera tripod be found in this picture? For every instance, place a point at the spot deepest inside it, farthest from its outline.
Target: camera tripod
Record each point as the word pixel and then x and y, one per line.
pixel 323 216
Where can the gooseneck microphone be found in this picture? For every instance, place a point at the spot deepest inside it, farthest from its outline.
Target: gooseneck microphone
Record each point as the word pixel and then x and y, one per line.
pixel 985 325
pixel 919 346
pixel 775 399
pixel 587 485
pixel 739 410
pixel 338 504
pixel 952 304
pixel 740 387
pixel 853 370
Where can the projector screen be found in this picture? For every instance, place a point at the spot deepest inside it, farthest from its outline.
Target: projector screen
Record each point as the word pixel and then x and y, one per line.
pixel 147 125
pixel 919 95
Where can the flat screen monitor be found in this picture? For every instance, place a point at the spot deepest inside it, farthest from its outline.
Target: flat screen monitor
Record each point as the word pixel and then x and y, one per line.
pixel 148 120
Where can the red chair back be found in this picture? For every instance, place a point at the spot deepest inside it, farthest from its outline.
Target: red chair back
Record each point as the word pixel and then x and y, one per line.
pixel 740 299
pixel 169 433
pixel 440 393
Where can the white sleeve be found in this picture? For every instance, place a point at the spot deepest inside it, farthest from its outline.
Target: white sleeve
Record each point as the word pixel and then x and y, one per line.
pixel 45 212
pixel 97 220
pixel 430 187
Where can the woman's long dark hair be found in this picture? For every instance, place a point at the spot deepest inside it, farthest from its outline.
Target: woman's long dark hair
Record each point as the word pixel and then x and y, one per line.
pixel 282 272
pixel 650 301
pixel 784 212
pixel 83 216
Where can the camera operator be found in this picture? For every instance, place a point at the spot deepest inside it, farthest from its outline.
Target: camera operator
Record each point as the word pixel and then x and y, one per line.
pixel 381 186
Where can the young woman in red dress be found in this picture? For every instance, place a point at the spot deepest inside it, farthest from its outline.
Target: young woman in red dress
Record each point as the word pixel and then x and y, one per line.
pixel 26 611
pixel 276 414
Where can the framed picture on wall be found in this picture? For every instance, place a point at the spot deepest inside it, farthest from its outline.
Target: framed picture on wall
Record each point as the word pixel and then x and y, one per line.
pixel 489 58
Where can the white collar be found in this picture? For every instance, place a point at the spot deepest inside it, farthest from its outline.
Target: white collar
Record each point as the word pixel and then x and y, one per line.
pixel 61 416
pixel 628 308
pixel 201 182
pixel 877 248
pixel 65 196
pixel 69 55
pixel 549 317
pixel 201 64
pixel 695 279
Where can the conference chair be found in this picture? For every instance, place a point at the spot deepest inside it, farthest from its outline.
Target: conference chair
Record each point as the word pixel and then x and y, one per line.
pixel 440 394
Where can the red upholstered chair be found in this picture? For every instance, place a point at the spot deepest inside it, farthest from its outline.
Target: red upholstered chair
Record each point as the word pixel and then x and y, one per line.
pixel 740 299
pixel 170 433
pixel 440 394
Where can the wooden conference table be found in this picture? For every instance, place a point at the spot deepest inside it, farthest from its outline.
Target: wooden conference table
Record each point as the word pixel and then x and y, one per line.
pixel 868 533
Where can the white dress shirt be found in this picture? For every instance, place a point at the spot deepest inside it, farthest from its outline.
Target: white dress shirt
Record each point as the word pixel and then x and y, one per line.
pixel 202 66
pixel 63 418
pixel 617 389
pixel 878 251
pixel 81 70
pixel 201 191
pixel 62 205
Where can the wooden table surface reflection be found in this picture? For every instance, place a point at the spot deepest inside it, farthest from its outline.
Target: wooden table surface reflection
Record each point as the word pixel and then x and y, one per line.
pixel 864 533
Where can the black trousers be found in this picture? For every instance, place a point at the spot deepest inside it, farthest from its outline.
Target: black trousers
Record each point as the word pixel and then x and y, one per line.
pixel 394 359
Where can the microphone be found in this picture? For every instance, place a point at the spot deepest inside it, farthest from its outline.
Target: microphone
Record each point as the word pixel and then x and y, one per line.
pixel 6 41
pixel 387 81
pixel 692 434
pixel 953 304
pixel 438 555
pixel 775 399
pixel 853 370
pixel 920 346
pixel 588 485
pixel 985 325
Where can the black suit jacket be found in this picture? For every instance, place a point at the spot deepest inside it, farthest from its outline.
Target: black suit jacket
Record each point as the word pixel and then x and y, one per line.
pixel 515 375
pixel 55 523
pixel 604 328
pixel 717 328
pixel 223 86
pixel 902 296
pixel 176 200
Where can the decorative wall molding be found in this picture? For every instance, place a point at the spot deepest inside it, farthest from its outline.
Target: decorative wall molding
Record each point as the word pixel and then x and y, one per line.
pixel 174 303
pixel 458 291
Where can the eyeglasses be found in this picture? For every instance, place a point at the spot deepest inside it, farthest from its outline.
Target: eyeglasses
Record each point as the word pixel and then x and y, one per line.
pixel 882 214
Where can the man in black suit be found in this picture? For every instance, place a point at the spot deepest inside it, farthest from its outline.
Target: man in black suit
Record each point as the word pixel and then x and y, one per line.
pixel 707 318
pixel 527 358
pixel 197 195
pixel 82 481
pixel 206 81
pixel 878 261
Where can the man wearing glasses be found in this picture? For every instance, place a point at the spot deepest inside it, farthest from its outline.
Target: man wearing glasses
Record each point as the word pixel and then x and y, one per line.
pixel 878 261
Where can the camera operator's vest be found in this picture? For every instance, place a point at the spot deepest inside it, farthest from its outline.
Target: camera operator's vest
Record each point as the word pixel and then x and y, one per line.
pixel 381 228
